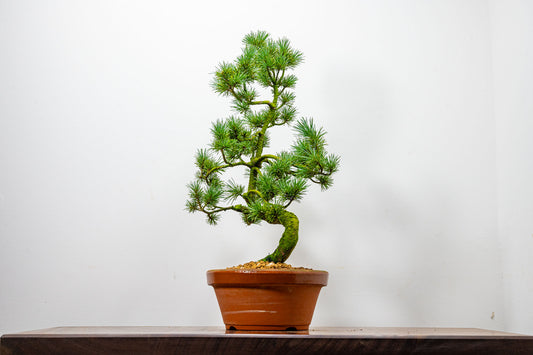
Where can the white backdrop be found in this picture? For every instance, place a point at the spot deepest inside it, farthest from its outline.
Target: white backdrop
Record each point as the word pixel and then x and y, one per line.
pixel 104 103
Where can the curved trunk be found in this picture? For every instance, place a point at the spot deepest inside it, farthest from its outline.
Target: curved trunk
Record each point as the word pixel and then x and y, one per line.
pixel 288 239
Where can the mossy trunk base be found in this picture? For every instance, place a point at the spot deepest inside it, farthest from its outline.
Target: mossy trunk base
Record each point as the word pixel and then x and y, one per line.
pixel 288 239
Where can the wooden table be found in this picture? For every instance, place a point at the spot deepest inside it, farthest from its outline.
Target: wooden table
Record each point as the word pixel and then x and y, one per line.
pixel 215 340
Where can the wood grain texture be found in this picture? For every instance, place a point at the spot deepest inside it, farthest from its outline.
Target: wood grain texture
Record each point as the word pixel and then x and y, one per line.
pixel 214 340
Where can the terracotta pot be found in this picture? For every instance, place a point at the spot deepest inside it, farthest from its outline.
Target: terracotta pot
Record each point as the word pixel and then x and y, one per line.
pixel 267 299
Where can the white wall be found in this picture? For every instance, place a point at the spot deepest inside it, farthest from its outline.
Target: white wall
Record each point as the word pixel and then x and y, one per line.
pixel 103 104
pixel 512 52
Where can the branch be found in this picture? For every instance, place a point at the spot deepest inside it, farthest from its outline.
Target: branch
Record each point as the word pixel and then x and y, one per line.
pixel 278 77
pixel 245 195
pixel 278 124
pixel 281 92
pixel 263 158
pixel 271 78
pixel 265 102
pixel 288 203
pixel 229 165
pixel 223 156
pixel 314 173
pixel 238 208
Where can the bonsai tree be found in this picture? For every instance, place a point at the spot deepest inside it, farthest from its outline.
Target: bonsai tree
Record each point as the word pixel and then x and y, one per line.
pixel 274 181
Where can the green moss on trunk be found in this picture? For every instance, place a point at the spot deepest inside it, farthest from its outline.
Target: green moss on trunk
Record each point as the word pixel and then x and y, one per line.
pixel 288 239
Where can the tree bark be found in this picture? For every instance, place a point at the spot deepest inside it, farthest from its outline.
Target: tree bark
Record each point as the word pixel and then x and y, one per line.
pixel 288 239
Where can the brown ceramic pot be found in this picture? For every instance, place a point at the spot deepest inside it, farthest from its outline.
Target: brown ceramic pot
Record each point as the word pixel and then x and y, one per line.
pixel 263 299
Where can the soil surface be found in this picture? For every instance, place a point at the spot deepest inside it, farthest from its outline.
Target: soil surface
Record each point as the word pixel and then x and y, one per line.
pixel 267 265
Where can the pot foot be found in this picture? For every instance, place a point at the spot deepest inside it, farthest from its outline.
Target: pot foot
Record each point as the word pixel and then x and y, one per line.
pixel 279 328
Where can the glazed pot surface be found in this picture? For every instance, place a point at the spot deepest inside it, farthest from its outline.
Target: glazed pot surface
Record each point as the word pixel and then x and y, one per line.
pixel 259 299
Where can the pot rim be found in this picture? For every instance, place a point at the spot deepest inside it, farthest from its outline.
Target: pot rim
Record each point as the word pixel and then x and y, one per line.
pixel 219 277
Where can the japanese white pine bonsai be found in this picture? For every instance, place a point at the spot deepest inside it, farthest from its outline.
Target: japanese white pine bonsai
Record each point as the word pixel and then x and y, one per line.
pixel 274 181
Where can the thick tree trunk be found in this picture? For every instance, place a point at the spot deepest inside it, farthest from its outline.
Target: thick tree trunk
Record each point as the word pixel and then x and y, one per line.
pixel 288 239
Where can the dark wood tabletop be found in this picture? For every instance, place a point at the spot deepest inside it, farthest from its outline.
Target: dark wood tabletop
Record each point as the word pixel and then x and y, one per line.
pixel 216 340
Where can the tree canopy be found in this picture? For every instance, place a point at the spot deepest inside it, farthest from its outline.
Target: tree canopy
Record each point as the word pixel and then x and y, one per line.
pixel 274 181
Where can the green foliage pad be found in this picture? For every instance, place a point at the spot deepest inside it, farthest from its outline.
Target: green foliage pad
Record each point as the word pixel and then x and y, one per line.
pixel 275 181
